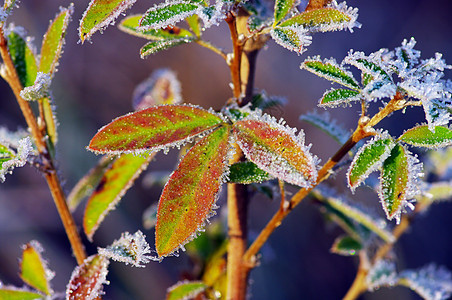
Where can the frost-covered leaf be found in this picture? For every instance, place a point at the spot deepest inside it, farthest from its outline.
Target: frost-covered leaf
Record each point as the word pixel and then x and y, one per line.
pixel 12 293
pixel 325 19
pixel 117 179
pixel 39 89
pixel 382 273
pixel 129 249
pixel 130 25
pixel 87 280
pixel 50 119
pixel 282 8
pixel 86 185
pixel 353 211
pixel 368 159
pixel 247 173
pixel 162 87
pixel 22 54
pixel 276 149
pixel 100 14
pixel 34 270
pixel 346 245
pixel 430 282
pixel 330 70
pixel 153 129
pixel 372 64
pixel 329 126
pixel 422 136
pixel 292 38
pixel 156 46
pixel 335 97
pixel 53 40
pixel 10 159
pixel 438 191
pixel 185 290
pixel 194 24
pixel 189 196
pixel 168 14
pixel 398 181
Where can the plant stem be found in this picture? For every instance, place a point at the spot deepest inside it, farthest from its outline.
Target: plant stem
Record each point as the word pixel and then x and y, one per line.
pixel 358 286
pixel 237 55
pixel 40 140
pixel 211 47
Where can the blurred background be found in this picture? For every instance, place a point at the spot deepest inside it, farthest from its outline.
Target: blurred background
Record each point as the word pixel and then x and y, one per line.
pixel 94 84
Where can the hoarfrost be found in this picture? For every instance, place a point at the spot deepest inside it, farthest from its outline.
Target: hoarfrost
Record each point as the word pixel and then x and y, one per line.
pixel 382 273
pixel 129 249
pixel 327 124
pixel 39 89
pixel 351 12
pixel 3 15
pixel 49 274
pixel 293 38
pixel 19 159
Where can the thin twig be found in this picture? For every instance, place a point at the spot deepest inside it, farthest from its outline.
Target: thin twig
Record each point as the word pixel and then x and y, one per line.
pixel 213 48
pixel 237 55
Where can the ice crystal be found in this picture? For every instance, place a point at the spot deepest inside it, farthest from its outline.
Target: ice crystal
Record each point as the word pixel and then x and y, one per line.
pixel 19 159
pixel 213 15
pixel 3 15
pixel 129 249
pixel 351 12
pixel 39 89
pixel 430 282
pixel 324 122
pixel 293 38
pixel 382 273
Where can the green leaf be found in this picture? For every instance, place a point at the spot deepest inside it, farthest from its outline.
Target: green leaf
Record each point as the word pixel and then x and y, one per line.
pixel 382 273
pixel 336 97
pixel 153 129
pixel 5 154
pixel 194 24
pixel 330 70
pixel 189 196
pixel 290 38
pixel 247 173
pixel 394 182
pixel 7 293
pixel 363 63
pixel 86 185
pixel 422 136
pixel 368 159
pixel 322 19
pixel 113 185
pixel 282 8
pixel 53 40
pixel 23 57
pixel 87 280
pixel 276 150
pixel 439 191
pixel 99 14
pixel 34 269
pixel 156 46
pixel 50 119
pixel 166 14
pixel 131 23
pixel 185 290
pixel 346 245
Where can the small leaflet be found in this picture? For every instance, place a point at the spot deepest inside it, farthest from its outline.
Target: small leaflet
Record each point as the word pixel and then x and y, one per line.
pixel 185 290
pixel 335 97
pixel 189 196
pixel 325 123
pixel 372 64
pixel 156 46
pixel 115 182
pixel 168 14
pixel 292 38
pixel 23 54
pixel 325 19
pixel 368 159
pixel 39 89
pixel 87 280
pixel 129 249
pixel 438 191
pixel 49 118
pixel 282 8
pixel 53 41
pixel 10 160
pixel 346 245
pixel 422 136
pixel 130 25
pixel 246 173
pixel 193 23
pixel 153 129
pixel 33 268
pixel 276 149
pixel 382 273
pixel 408 54
pixel 430 282
pixel 100 14
pixel 398 181
pixel 330 70
pixel 162 87
pixel 13 293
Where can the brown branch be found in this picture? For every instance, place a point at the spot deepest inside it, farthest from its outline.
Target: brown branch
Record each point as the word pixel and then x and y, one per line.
pixel 237 55
pixel 40 140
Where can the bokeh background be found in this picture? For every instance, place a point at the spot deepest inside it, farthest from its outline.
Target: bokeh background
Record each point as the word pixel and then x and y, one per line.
pixel 94 84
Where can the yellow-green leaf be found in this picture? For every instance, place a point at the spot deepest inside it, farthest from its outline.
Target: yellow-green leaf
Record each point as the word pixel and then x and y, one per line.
pixel 282 8
pixel 185 290
pixel 18 294
pixel 34 270
pixel 23 57
pixel 100 14
pixel 322 19
pixel 335 97
pixel 156 46
pixel 167 14
pixel 190 194
pixel 53 40
pixel 113 185
pixel 422 136
pixel 153 129
pixel 330 70
pixel 50 119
